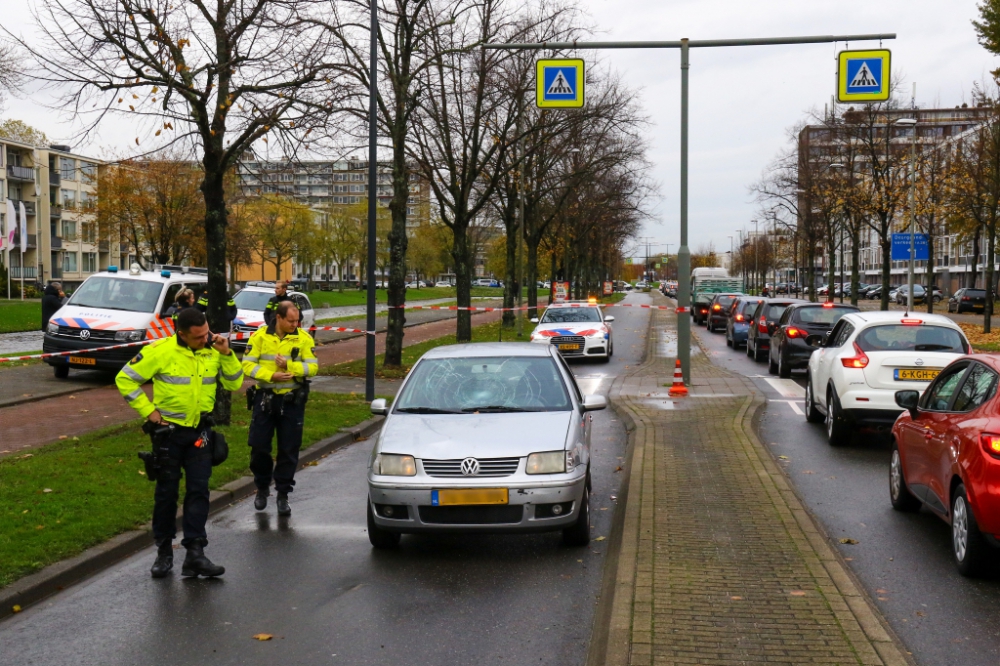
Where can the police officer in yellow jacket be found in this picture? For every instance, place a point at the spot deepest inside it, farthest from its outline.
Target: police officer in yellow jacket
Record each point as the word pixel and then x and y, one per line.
pixel 280 357
pixel 184 369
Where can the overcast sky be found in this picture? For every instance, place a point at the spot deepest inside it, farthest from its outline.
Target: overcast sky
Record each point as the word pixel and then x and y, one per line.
pixel 743 99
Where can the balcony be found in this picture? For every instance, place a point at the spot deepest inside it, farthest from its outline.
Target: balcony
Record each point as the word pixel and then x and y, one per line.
pixel 57 243
pixel 32 243
pixel 54 178
pixel 29 206
pixel 21 173
pixel 55 210
pixel 103 246
pixel 57 273
pixel 30 272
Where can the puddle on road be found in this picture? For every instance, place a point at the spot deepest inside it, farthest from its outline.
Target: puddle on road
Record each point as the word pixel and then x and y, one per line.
pixel 666 345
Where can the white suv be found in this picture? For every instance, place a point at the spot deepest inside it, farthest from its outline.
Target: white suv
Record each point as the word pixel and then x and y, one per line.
pixel 868 356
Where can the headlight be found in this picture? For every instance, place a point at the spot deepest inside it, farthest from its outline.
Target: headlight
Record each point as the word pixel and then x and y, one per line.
pixel 129 336
pixel 549 462
pixel 52 328
pixel 391 464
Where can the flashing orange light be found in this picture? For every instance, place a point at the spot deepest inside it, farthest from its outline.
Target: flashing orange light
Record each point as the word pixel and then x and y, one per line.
pixel 739 317
pixel 990 444
pixel 716 307
pixel 858 362
pixel 592 300
pixel 912 322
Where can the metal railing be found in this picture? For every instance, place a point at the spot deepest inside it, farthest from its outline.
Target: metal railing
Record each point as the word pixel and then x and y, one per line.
pixel 55 210
pixel 20 173
pixel 54 178
pixel 32 242
pixel 29 206
pixel 30 272
pixel 56 243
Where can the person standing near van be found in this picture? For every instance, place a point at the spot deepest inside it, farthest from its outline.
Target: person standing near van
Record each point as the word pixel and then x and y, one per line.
pixel 280 296
pixel 185 299
pixel 51 302
pixel 231 308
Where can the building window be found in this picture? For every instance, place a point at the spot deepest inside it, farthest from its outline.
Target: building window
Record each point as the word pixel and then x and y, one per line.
pixel 68 230
pixel 68 198
pixel 67 168
pixel 69 262
pixel 88 201
pixel 89 262
pixel 88 232
pixel 88 171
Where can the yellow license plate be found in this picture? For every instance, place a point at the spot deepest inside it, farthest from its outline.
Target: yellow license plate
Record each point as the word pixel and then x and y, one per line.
pixel 569 347
pixel 469 496
pixel 915 374
pixel 83 360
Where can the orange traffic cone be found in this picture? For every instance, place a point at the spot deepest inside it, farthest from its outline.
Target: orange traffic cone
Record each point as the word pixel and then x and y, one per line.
pixel 678 387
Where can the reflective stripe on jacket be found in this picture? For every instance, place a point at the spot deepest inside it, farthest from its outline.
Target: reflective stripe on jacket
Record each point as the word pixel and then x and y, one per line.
pixel 183 380
pixel 265 345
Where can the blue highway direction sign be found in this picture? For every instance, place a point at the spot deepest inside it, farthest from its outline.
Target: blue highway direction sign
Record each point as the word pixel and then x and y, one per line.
pixel 863 76
pixel 901 247
pixel 559 84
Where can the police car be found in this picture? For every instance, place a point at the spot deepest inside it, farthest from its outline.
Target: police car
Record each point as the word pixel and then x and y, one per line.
pixel 578 329
pixel 113 308
pixel 250 304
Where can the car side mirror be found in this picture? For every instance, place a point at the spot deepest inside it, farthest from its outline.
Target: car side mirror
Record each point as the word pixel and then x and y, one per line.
pixel 815 340
pixel 592 403
pixel 609 318
pixel 908 400
pixel 534 320
pixel 378 406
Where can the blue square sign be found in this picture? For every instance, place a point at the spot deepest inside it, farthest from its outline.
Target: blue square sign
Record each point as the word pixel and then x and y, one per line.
pixel 559 83
pixel 863 76
pixel 901 247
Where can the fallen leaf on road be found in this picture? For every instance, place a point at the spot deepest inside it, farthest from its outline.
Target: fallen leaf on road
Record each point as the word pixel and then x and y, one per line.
pixel 600 539
pixel 63 437
pixel 736 598
pixel 141 472
pixel 921 614
pixel 614 497
pixel 84 411
pixel 312 463
pixel 47 490
pixel 880 591
pixel 797 593
pixel 15 608
pixel 619 468
pixel 808 471
pixel 782 457
pixel 604 508
pixel 263 637
pixel 853 542
pixel 72 397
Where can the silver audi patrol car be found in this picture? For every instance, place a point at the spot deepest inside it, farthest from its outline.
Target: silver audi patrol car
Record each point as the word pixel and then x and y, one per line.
pixel 491 437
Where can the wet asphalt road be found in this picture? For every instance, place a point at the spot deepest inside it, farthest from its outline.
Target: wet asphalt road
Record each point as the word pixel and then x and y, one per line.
pixel 314 582
pixel 903 560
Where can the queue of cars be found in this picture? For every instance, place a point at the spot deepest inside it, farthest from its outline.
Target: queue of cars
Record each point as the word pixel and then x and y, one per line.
pixel 908 374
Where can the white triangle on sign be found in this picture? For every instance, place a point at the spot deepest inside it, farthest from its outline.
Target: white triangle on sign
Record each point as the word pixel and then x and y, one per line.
pixel 864 78
pixel 559 86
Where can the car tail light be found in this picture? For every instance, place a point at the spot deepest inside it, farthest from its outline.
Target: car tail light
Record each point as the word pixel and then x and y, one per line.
pixel 828 304
pixel 739 317
pixel 912 322
pixel 966 298
pixel 990 444
pixel 793 332
pixel 859 361
pixel 763 322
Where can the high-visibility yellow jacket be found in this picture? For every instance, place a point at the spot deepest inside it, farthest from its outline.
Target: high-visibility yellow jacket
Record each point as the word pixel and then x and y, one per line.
pixel 265 345
pixel 183 380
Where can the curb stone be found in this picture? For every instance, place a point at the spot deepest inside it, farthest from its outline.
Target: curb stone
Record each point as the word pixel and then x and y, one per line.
pixel 54 578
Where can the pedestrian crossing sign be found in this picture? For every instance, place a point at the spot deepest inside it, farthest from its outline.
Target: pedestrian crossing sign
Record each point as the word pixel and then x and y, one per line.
pixel 863 76
pixel 559 84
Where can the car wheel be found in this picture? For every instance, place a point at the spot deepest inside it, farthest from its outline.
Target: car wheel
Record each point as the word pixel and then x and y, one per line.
pixel 729 341
pixel 836 427
pixel 899 493
pixel 61 371
pixel 772 367
pixel 812 414
pixel 379 537
pixel 579 533
pixel 969 546
pixel 750 353
pixel 783 370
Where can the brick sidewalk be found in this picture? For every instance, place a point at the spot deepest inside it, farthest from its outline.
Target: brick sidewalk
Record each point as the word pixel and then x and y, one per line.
pixel 33 424
pixel 719 561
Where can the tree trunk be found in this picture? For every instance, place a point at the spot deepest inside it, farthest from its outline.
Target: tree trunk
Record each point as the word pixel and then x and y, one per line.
pixel 531 277
pixel 811 271
pixel 510 280
pixel 855 255
pixel 975 257
pixel 885 242
pixel 991 236
pixel 831 269
pixel 461 252
pixel 213 190
pixel 397 255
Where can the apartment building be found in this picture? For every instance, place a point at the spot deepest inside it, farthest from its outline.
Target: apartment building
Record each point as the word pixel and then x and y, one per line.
pixel 820 146
pixel 59 191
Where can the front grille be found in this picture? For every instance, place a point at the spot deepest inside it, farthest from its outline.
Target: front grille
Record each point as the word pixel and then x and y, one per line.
pixel 570 339
pixel 472 515
pixel 95 334
pixel 487 467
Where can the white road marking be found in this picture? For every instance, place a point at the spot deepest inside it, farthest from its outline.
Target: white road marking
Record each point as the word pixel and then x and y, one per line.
pixel 794 404
pixel 786 388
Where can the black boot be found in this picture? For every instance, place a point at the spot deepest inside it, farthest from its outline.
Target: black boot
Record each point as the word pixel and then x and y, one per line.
pixel 282 502
pixel 260 503
pixel 196 564
pixel 164 559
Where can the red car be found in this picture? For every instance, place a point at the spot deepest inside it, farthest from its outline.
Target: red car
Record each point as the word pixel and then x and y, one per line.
pixel 946 456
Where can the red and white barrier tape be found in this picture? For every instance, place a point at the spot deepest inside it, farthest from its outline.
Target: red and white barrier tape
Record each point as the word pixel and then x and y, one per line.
pixel 75 352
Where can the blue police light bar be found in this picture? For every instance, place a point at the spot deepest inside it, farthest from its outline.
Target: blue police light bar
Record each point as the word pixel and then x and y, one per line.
pixel 112 269
pixel 164 273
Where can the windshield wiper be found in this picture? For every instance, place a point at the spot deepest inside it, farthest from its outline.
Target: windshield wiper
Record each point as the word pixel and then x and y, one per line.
pixel 425 410
pixel 497 409
pixel 931 347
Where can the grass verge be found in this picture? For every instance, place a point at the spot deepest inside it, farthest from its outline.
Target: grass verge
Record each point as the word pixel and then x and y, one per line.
pixel 981 342
pixel 19 316
pixel 63 498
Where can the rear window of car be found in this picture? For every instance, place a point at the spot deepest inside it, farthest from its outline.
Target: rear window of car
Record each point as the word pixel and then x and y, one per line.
pixel 774 311
pixel 902 337
pixel 820 315
pixel 749 307
pixel 725 301
pixel 975 293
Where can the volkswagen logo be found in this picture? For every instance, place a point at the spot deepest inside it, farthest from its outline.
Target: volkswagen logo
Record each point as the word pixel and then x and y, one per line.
pixel 470 467
pixel 84 334
pixel 919 361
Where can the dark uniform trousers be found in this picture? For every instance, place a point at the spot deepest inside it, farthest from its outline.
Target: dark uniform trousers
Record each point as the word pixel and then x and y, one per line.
pixel 196 463
pixel 274 414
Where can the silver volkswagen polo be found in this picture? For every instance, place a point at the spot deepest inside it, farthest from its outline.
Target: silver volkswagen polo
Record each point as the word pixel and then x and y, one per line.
pixel 489 437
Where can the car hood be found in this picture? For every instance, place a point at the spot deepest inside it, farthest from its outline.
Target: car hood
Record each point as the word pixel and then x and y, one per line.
pixel 451 436
pixel 584 328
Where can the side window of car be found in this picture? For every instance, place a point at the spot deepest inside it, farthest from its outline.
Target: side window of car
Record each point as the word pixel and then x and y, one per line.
pixel 845 333
pixel 572 379
pixel 977 388
pixel 785 316
pixel 171 296
pixel 939 395
pixel 300 302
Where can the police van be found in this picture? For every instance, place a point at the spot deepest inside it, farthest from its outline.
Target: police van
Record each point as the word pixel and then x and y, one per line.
pixel 115 307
